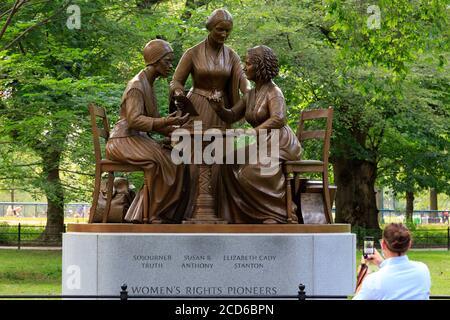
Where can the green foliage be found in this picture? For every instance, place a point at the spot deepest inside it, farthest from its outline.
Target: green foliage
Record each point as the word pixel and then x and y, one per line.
pixel 417 157
pixel 382 66
pixel 52 77
pixel 388 85
pixel 401 32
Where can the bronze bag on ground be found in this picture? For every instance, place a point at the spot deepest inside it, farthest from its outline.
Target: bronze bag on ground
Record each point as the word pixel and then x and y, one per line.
pixel 122 197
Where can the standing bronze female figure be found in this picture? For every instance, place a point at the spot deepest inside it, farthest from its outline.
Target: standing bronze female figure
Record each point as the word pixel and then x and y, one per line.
pixel 215 69
pixel 246 194
pixel 129 142
pixel 216 75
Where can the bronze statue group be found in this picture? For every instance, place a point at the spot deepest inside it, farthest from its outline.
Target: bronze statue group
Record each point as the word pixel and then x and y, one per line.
pixel 221 96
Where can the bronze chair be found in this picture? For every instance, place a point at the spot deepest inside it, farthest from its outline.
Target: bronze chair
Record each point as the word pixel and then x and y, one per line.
pixel 105 165
pixel 294 168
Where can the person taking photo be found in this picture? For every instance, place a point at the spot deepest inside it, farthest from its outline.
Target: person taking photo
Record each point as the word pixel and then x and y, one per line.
pixel 398 277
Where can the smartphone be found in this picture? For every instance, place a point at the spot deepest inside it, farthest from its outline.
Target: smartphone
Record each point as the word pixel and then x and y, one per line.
pixel 368 246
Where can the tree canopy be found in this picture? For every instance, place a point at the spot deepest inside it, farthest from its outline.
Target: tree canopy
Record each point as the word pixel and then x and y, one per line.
pixel 382 65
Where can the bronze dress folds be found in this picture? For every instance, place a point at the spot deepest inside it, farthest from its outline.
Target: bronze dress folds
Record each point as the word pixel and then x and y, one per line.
pixel 222 74
pixel 130 143
pixel 245 194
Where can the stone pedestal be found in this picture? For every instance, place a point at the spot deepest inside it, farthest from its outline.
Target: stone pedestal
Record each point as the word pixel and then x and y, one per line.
pixel 216 260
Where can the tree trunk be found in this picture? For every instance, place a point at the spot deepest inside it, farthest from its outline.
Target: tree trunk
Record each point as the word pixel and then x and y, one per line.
pixel 355 197
pixel 409 206
pixel 55 199
pixel 433 202
pixel 379 197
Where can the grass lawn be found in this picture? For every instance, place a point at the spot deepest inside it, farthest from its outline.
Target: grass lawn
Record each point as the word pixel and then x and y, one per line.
pixel 439 264
pixel 30 272
pixel 39 271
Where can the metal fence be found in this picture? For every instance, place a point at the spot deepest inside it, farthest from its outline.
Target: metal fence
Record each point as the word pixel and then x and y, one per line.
pixel 81 210
pixel 21 235
pixel 39 210
pixel 420 217
pixel 422 238
pixel 433 230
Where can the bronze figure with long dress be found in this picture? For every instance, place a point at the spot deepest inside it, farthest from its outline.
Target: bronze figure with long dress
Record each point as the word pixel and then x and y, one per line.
pixel 246 193
pixel 216 74
pixel 129 142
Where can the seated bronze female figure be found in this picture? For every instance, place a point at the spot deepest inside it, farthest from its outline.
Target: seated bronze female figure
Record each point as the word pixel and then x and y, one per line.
pixel 244 193
pixel 129 142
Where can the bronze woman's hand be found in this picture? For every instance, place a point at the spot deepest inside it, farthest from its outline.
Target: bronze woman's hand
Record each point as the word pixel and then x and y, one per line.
pixel 178 103
pixel 167 130
pixel 173 120
pixel 179 92
pixel 217 106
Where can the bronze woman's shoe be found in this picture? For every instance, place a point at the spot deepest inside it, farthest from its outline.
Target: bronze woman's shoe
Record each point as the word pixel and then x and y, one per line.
pixel 270 221
pixel 155 221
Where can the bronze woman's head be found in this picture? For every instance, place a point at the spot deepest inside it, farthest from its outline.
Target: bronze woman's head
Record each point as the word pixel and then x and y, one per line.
pixel 219 24
pixel 217 16
pixel 264 61
pixel 159 53
pixel 155 50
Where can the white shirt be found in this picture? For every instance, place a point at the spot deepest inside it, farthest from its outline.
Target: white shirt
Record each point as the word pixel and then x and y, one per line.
pixel 397 279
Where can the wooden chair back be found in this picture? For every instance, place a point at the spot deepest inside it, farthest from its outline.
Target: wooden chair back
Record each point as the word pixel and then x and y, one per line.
pixel 324 135
pixel 98 112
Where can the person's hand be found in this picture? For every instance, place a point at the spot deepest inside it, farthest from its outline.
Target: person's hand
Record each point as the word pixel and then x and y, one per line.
pixel 173 120
pixel 363 261
pixel 375 258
